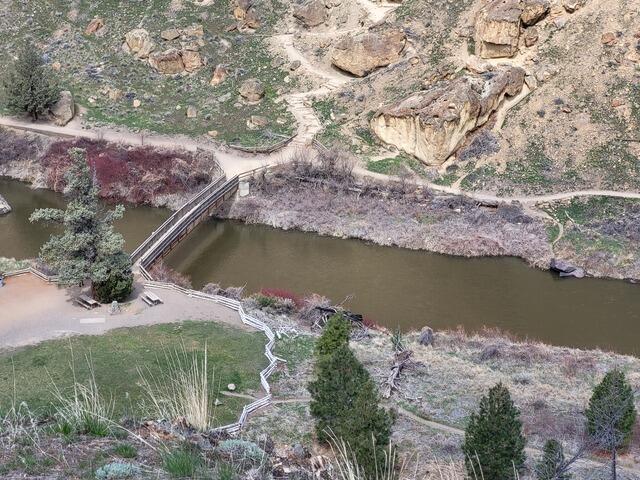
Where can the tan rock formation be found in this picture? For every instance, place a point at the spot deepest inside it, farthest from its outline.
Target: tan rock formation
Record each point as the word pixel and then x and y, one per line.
pixel 170 34
pixel 498 29
pixel 138 42
pixel 252 90
pixel 361 56
pixel 432 124
pixel 533 11
pixel 94 25
pixel 219 75
pixel 192 60
pixel 168 62
pixel 64 109
pixel 311 13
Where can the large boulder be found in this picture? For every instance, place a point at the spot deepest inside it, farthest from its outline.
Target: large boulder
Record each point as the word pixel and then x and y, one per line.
pixel 498 29
pixel 533 11
pixel 94 26
pixel 432 124
pixel 64 109
pixel 138 42
pixel 168 62
pixel 360 56
pixel 311 13
pixel 252 90
pixel 192 60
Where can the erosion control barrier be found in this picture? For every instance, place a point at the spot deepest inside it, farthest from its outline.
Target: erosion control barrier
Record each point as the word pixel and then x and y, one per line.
pixel 247 320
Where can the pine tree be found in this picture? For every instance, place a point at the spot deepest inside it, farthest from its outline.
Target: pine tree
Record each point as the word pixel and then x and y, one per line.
pixel 30 87
pixel 88 248
pixel 345 402
pixel 334 334
pixel 611 415
pixel 494 443
pixel 552 465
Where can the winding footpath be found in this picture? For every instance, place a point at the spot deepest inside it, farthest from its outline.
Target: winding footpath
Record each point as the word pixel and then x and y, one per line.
pixel 234 162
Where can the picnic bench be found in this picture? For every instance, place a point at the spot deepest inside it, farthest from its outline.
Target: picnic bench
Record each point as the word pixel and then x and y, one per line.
pixel 86 302
pixel 151 298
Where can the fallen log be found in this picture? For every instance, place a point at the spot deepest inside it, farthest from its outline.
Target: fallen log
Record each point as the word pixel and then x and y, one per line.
pixel 402 359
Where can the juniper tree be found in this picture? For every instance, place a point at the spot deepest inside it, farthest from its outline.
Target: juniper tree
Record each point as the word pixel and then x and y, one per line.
pixel 345 401
pixel 30 87
pixel 493 442
pixel 552 465
pixel 611 415
pixel 88 249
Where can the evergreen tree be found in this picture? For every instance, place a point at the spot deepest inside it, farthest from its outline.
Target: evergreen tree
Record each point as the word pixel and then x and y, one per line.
pixel 611 415
pixel 552 465
pixel 494 443
pixel 30 87
pixel 334 334
pixel 345 401
pixel 88 248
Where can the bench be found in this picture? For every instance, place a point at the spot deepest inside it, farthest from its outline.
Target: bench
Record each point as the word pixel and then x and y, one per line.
pixel 86 302
pixel 151 298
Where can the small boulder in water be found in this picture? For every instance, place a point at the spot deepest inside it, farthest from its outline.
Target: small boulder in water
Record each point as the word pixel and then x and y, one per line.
pixel 565 269
pixel 4 206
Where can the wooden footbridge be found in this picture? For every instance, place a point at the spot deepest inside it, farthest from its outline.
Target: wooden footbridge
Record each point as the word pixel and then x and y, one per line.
pixel 197 209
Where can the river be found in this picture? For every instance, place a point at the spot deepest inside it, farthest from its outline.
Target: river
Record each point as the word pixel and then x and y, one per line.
pixel 391 286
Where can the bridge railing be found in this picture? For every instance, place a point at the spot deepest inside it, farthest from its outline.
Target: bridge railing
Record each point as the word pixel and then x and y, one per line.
pixel 175 218
pixel 164 237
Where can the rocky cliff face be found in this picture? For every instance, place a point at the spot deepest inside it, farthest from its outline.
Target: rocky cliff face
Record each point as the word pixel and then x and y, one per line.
pixel 432 124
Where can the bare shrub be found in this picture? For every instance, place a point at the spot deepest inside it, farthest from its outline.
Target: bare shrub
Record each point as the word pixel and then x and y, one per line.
pixel 309 313
pixel 235 293
pixel 19 147
pixel 163 273
pixel 483 144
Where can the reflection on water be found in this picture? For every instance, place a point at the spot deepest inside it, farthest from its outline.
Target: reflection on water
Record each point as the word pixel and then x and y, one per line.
pixel 393 287
pixel 410 289
pixel 21 239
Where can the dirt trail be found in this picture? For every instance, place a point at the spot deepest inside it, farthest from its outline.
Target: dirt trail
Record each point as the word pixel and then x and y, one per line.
pixel 234 162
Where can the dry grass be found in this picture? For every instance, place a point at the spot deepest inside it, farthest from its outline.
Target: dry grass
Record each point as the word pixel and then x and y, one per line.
pixel 182 390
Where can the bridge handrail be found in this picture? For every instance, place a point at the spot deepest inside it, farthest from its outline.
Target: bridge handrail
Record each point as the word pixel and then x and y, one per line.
pixel 153 252
pixel 175 218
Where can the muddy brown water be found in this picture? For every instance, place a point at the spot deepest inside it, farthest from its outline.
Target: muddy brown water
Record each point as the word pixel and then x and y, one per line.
pixel 391 286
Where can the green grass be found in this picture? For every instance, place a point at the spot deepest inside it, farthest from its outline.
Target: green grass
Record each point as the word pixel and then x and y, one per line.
pixel 182 463
pixel 295 350
pixel 91 63
pixel 236 356
pixel 125 450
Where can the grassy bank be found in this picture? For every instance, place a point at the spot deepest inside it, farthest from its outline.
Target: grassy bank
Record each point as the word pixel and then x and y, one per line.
pixel 29 374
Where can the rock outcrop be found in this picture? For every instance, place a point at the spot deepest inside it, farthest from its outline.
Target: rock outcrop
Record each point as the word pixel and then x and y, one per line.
pixel 433 123
pixel 219 75
pixel 138 42
pixel 252 90
pixel 500 23
pixel 168 62
pixel 4 206
pixel 64 109
pixel 361 56
pixel 96 25
pixel 311 13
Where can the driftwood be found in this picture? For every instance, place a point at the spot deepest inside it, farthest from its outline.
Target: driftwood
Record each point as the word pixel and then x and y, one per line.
pixel 402 359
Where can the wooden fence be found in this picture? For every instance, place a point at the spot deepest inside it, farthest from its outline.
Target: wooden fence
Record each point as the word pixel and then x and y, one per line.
pixel 247 320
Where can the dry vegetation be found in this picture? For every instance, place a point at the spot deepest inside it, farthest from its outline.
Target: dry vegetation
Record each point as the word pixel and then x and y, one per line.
pixel 323 197
pixel 124 174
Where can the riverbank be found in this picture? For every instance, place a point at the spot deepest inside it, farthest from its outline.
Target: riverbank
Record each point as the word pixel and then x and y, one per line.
pixel 404 215
pixel 441 385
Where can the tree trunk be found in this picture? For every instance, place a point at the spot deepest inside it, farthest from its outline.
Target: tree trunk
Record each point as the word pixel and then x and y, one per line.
pixel 614 474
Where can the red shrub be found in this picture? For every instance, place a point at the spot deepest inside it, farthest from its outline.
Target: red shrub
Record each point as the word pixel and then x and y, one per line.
pixel 276 292
pixel 133 174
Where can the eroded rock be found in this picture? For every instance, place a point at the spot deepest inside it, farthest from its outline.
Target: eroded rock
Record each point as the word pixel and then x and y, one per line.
pixel 498 29
pixel 64 109
pixel 533 11
pixel 219 75
pixel 192 60
pixel 432 124
pixel 252 90
pixel 168 62
pixel 361 56
pixel 94 26
pixel 311 13
pixel 138 42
